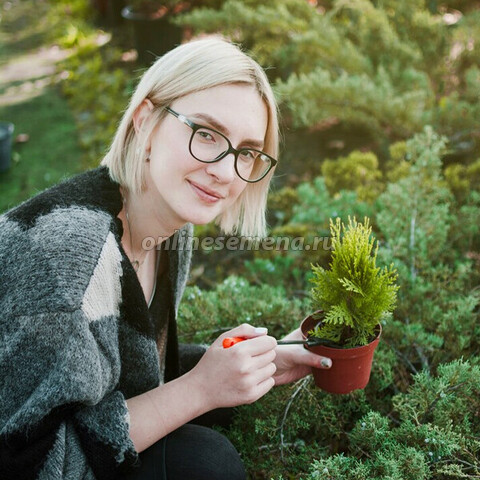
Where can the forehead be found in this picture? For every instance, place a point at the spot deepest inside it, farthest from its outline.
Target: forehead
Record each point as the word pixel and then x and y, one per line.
pixel 238 107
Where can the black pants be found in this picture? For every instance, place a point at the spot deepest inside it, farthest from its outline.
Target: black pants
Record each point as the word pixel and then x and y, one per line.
pixel 194 451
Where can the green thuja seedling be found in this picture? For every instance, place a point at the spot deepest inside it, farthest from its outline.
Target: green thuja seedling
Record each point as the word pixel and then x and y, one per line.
pixel 354 294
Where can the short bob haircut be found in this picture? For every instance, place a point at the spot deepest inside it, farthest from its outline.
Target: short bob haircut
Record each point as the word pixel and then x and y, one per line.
pixel 189 68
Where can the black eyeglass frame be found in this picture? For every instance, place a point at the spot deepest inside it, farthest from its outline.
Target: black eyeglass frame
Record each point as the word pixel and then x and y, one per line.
pixel 195 127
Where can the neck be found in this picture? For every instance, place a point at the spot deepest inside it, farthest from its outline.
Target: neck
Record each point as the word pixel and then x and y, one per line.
pixel 144 227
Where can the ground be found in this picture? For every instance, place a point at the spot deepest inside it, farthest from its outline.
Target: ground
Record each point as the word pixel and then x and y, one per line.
pixel 45 146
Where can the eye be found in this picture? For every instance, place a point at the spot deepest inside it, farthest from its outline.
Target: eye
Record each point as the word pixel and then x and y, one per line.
pixel 206 136
pixel 248 155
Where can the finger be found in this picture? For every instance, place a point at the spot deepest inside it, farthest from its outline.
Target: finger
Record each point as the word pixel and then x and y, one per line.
pixel 244 330
pixel 260 361
pixel 294 335
pixel 264 373
pixel 262 388
pixel 251 381
pixel 312 359
pixel 281 378
pixel 258 345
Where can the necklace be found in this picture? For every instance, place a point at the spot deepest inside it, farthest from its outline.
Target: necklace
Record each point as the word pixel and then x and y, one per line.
pixel 136 263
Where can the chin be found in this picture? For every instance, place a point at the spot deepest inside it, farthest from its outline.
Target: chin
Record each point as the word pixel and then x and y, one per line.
pixel 200 219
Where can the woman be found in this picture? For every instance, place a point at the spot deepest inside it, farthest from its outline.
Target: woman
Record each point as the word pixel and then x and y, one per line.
pixel 91 375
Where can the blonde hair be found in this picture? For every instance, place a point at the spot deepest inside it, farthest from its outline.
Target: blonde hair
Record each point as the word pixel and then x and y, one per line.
pixel 189 68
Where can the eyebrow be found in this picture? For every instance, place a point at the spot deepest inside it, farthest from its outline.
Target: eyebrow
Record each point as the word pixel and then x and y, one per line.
pixel 223 129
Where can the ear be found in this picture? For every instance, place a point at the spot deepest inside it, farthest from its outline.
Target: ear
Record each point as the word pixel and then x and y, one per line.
pixel 141 113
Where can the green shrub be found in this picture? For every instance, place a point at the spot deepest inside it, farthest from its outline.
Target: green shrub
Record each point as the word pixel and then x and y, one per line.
pixel 463 179
pixel 203 315
pixel 98 87
pixel 315 206
pixel 358 172
pixel 386 67
pixel 435 433
pixel 354 294
pixel 277 271
pixel 281 203
pixel 435 320
pixel 397 166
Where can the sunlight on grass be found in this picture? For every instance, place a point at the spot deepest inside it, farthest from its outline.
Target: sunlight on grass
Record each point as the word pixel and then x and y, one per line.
pixel 30 100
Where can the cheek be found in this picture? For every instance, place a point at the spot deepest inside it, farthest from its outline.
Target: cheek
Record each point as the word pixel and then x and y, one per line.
pixel 171 160
pixel 236 190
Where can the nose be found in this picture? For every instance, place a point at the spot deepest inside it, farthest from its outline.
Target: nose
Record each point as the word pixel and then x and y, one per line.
pixel 223 170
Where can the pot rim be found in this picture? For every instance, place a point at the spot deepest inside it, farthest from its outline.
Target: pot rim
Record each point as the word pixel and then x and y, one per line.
pixel 337 349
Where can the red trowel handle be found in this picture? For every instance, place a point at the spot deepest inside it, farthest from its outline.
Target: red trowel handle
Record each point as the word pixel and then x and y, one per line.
pixel 230 341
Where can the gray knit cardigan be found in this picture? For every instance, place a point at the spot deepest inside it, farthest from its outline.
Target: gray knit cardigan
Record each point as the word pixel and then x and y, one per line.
pixel 77 338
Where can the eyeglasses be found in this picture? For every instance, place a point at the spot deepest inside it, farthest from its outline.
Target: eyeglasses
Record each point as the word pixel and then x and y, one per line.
pixel 209 146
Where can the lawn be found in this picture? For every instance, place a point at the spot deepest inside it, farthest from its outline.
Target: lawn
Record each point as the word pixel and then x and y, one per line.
pixel 29 98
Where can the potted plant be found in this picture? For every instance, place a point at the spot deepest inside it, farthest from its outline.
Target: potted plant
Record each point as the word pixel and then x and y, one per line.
pixel 352 298
pixel 154 33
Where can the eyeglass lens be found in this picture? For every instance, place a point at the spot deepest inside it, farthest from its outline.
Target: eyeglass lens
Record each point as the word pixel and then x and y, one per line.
pixel 207 146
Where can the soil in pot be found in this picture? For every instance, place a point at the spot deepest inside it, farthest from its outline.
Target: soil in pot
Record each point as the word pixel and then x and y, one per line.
pixel 350 368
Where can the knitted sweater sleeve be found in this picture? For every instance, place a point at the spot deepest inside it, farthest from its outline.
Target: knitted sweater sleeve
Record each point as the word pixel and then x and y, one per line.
pixel 61 412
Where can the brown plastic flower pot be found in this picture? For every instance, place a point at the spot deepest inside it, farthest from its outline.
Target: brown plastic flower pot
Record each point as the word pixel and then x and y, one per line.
pixel 350 368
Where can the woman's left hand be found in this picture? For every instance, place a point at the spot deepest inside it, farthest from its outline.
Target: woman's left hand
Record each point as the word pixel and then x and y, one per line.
pixel 295 361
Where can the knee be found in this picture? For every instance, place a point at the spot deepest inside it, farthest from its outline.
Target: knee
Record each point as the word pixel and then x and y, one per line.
pixel 231 466
pixel 200 453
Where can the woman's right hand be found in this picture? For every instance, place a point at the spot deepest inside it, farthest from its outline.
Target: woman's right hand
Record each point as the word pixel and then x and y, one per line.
pixel 241 374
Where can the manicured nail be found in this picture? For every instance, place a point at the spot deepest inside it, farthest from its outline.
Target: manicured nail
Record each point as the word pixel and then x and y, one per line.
pixel 326 363
pixel 261 330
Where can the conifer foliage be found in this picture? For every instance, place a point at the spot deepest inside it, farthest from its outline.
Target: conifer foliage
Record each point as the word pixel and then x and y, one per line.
pixel 386 66
pixel 354 293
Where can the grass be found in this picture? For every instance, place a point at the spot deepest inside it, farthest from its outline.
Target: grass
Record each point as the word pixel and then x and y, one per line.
pixel 30 100
pixel 52 153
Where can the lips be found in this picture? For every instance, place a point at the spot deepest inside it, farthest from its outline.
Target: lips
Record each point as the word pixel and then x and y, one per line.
pixel 206 193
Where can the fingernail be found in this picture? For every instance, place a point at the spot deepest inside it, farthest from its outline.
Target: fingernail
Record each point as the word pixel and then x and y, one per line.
pixel 326 363
pixel 261 330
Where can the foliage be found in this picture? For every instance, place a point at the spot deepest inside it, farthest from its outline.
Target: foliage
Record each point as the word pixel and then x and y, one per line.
pixel 293 425
pixel 278 271
pixel 358 172
pixel 203 315
pixel 462 179
pixel 70 22
pixel 309 208
pixel 436 433
pixel 281 203
pixel 98 85
pixel 430 433
pixel 387 67
pixel 397 165
pixel 316 206
pixel 426 234
pixel 354 294
pixel 417 204
pixel 409 421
